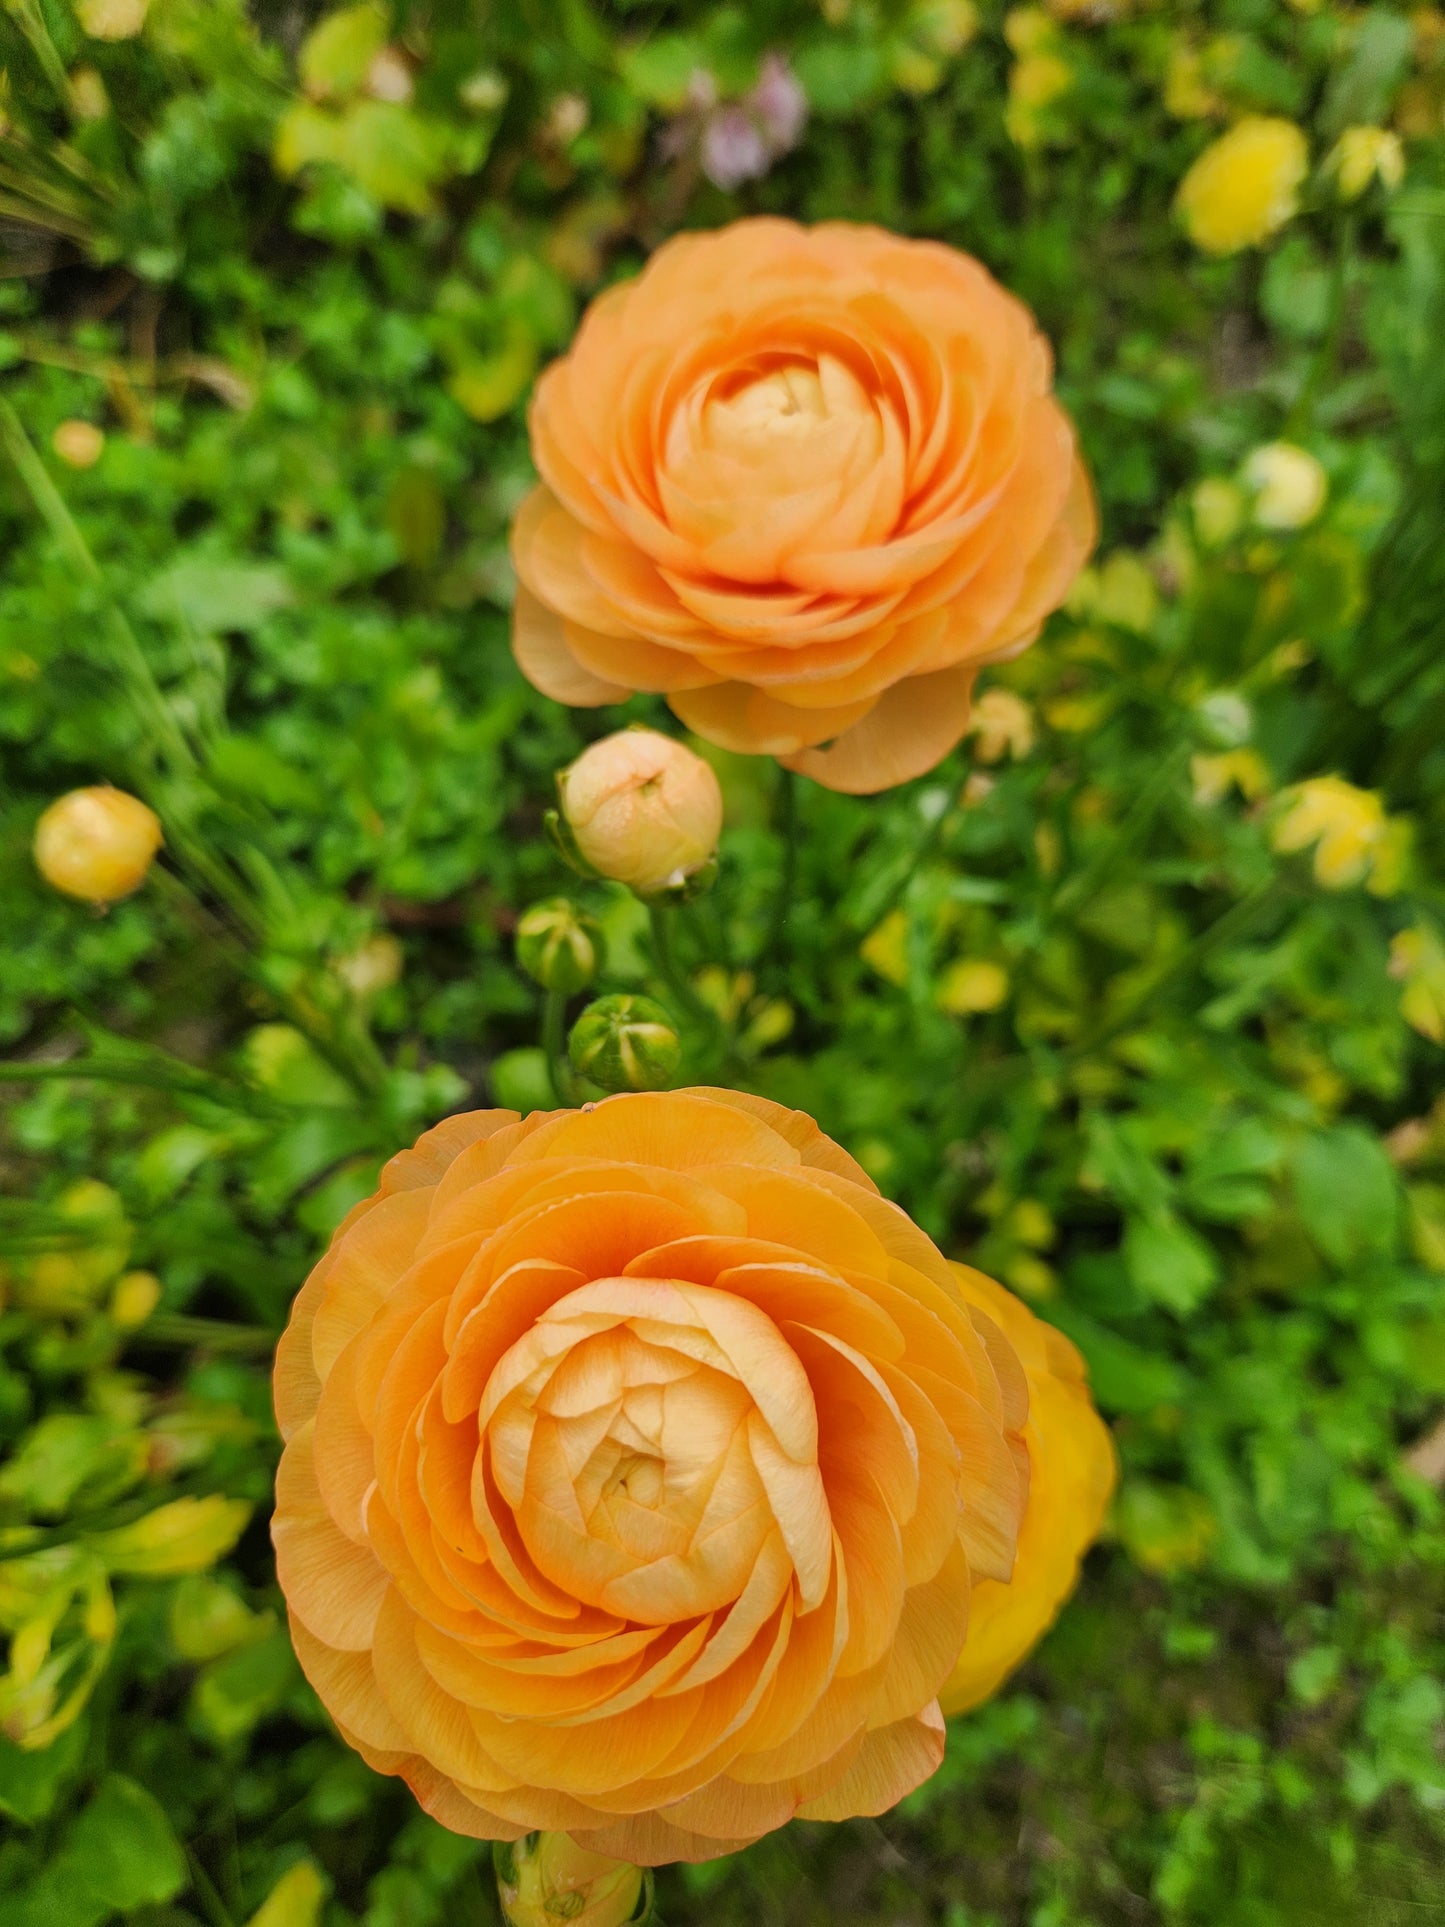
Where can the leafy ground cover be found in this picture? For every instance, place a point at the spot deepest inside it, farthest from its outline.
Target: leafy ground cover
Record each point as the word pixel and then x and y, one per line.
pixel 1138 1001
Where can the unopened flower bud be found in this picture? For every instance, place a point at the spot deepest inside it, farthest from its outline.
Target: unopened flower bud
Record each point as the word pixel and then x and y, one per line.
pixel 79 444
pixel 546 1878
pixel 135 1297
pixel 558 947
pixel 1365 154
pixel 1288 484
pixel 643 810
pixel 97 844
pixel 625 1043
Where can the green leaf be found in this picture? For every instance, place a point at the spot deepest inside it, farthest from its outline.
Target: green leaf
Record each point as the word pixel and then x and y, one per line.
pixel 215 595
pixel 1347 1193
pixel 29 1782
pixel 335 55
pixel 69 1454
pixel 660 70
pixel 120 1854
pixel 1170 1263
pixel 122 1849
pixel 1124 1377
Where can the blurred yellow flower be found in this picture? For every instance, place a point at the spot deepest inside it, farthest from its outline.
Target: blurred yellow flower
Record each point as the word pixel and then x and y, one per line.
pixel 1417 959
pixel 134 1298
pixel 1288 485
pixel 1245 185
pixel 1346 825
pixel 1218 508
pixel 113 19
pixel 1233 769
pixel 1003 724
pixel 972 984
pixel 295 1900
pixel 1365 154
pixel 885 948
pixel 1187 94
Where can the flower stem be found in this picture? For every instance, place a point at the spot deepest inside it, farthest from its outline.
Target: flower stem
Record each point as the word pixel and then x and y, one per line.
pixel 787 825
pixel 128 656
pixel 554 1022
pixel 662 918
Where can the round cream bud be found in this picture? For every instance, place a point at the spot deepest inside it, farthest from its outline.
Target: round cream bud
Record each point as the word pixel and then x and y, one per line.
pixel 97 844
pixel 546 1878
pixel 643 810
pixel 78 444
pixel 558 947
pixel 625 1043
pixel 1289 486
pixel 1219 510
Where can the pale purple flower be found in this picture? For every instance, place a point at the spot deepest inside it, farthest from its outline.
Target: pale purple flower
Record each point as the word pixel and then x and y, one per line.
pixel 779 103
pixel 734 149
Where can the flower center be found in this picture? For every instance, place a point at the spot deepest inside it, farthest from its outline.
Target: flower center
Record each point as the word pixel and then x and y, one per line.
pixel 625 1445
pixel 786 399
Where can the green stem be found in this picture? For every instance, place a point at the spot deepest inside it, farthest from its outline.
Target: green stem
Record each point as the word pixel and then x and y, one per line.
pixel 661 916
pixel 1322 363
pixel 31 21
pixel 130 659
pixel 157 1077
pixel 554 1043
pixel 205 1334
pixel 787 825
pixel 1223 930
pixel 1085 884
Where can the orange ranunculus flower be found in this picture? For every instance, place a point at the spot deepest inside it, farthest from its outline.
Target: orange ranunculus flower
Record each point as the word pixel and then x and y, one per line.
pixel 804 482
pixel 640 1461
pixel 1071 1478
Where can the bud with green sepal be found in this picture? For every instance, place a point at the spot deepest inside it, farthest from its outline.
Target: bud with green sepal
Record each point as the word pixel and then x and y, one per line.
pixel 559 947
pixel 625 1043
pixel 546 1878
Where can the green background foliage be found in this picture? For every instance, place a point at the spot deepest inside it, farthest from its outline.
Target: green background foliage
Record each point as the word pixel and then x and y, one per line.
pixel 1191 1113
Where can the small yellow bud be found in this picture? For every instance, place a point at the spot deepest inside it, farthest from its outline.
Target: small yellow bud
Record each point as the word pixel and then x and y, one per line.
pixel 1187 95
pixel 1003 724
pixel 1038 78
pixel 1365 154
pixel 547 1878
pixel 295 1900
pixel 1219 510
pixel 972 984
pixel 885 948
pixel 113 19
pixel 78 444
pixel 1233 769
pixel 135 1297
pixel 97 844
pixel 1245 185
pixel 89 101
pixel 1289 486
pixel 643 810
pixel 373 967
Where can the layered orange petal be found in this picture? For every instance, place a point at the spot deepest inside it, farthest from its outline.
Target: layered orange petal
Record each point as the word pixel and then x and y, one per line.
pixel 803 482
pixel 644 1469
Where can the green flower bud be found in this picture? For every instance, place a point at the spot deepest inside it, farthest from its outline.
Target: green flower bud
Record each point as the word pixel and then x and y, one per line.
pixel 547 1878
pixel 625 1043
pixel 558 947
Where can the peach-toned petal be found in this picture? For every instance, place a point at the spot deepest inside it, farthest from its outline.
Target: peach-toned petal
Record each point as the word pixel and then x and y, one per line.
pixel 890 1764
pixel 907 731
pixel 540 646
